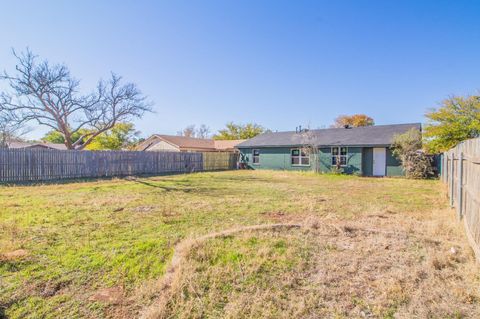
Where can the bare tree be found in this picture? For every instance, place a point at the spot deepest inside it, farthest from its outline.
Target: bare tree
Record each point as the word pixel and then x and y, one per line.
pixel 189 131
pixel 202 131
pixel 49 95
pixel 310 147
pixel 10 129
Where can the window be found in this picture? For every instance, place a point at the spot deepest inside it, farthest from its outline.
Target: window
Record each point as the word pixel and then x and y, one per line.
pixel 299 157
pixel 339 154
pixel 256 156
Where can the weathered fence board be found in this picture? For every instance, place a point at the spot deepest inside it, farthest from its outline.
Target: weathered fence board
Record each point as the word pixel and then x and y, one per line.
pixel 21 165
pixel 213 161
pixel 462 176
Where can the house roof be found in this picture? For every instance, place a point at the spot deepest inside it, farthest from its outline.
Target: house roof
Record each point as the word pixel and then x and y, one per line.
pixel 187 142
pixel 227 144
pixel 18 145
pixel 183 142
pixel 378 135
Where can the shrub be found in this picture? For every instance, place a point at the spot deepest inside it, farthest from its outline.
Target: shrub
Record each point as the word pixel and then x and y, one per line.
pixel 407 148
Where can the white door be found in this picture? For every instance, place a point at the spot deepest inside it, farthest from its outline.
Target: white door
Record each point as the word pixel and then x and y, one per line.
pixel 379 161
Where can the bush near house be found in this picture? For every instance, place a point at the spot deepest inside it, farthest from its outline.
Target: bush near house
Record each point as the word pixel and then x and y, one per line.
pixel 407 147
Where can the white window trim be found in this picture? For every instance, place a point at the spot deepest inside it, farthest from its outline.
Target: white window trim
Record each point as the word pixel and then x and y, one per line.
pixel 253 156
pixel 299 157
pixel 339 152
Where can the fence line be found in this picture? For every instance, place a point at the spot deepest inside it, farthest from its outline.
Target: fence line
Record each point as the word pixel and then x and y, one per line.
pixel 21 165
pixel 461 173
pixel 214 161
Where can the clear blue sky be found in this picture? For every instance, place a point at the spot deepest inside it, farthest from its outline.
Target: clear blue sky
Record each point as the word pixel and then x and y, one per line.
pixel 276 63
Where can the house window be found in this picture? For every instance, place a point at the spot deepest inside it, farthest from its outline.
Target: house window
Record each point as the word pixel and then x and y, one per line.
pixel 339 155
pixel 299 157
pixel 256 156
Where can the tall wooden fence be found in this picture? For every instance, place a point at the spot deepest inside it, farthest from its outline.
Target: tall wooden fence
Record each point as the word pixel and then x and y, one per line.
pixel 21 165
pixel 461 172
pixel 214 161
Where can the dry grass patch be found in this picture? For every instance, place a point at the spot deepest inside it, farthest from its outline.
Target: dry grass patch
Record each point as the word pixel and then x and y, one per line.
pixel 338 270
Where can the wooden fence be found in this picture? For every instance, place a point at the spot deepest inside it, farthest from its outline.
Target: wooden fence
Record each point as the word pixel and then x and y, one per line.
pixel 461 172
pixel 214 161
pixel 22 165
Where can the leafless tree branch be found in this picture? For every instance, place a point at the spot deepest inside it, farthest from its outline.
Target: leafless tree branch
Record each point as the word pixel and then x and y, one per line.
pixel 49 95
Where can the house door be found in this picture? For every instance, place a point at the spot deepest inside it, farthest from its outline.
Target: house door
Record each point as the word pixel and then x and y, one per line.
pixel 379 161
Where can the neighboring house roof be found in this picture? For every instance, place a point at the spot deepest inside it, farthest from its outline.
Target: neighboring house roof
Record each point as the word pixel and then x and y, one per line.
pixel 378 135
pixel 53 146
pixel 227 145
pixel 189 143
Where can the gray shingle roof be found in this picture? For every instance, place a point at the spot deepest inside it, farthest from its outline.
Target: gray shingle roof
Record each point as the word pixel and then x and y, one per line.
pixel 19 144
pixel 378 135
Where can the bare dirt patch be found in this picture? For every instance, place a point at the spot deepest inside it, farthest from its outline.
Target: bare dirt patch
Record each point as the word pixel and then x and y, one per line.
pixel 14 255
pixel 143 209
pixel 112 295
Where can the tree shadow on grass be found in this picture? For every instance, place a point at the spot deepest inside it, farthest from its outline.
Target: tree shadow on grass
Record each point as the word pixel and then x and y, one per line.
pixel 187 188
pixel 165 188
pixel 76 180
pixel 2 312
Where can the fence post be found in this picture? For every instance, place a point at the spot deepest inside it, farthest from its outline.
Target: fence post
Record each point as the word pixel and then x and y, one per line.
pixel 444 162
pixel 460 187
pixel 445 167
pixel 452 179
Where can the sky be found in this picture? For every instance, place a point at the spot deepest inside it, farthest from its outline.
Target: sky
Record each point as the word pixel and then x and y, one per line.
pixel 276 63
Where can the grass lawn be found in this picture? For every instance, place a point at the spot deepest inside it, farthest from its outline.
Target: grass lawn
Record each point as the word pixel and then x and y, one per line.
pixel 368 247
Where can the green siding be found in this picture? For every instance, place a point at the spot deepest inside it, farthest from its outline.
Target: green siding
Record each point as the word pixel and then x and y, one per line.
pixel 325 160
pixel 394 167
pixel 360 160
pixel 354 162
pixel 273 158
pixel 279 158
pixel 367 165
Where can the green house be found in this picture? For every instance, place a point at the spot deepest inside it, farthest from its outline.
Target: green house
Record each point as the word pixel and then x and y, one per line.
pixel 353 150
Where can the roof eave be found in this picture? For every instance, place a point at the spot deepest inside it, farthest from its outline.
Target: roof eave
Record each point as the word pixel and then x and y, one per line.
pixel 318 146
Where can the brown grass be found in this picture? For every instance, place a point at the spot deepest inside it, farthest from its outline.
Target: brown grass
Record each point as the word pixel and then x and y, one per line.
pixel 381 266
pixel 381 248
pixel 170 280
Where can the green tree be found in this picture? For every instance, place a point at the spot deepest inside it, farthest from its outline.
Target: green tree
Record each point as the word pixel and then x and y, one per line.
pixel 456 120
pixel 121 136
pixel 57 137
pixel 239 132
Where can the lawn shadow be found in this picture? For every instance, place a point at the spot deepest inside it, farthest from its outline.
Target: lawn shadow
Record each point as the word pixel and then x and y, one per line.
pixel 165 188
pixel 2 312
pixel 187 188
pixel 75 180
